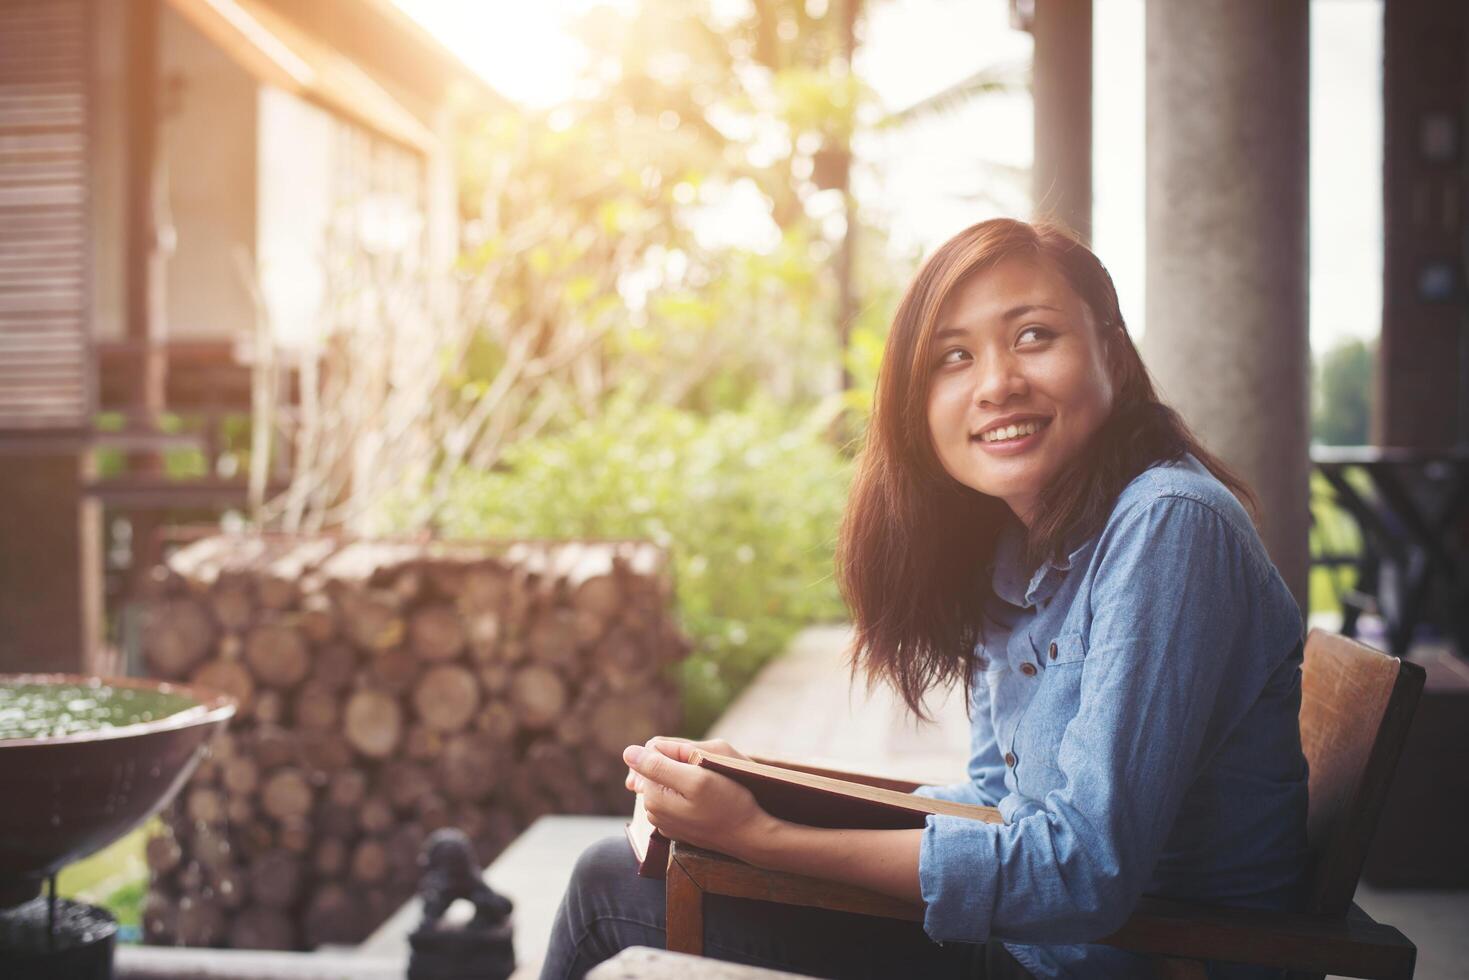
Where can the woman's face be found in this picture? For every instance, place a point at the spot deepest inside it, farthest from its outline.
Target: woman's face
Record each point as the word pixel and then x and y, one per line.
pixel 1019 381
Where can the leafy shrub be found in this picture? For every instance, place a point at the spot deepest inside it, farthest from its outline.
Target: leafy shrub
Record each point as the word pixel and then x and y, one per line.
pixel 746 502
pixel 1342 391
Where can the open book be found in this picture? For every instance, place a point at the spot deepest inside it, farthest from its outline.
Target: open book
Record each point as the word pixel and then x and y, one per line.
pixel 805 797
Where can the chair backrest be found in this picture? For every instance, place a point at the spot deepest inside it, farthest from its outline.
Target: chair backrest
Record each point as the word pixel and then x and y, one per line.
pixel 1356 705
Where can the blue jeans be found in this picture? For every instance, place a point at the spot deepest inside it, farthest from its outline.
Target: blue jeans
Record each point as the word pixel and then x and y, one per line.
pixel 607 908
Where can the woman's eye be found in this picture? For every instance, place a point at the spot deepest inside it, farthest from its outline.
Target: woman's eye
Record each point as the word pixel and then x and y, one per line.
pixel 1032 335
pixel 952 356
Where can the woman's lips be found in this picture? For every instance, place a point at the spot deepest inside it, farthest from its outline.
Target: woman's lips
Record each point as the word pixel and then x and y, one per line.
pixel 1012 447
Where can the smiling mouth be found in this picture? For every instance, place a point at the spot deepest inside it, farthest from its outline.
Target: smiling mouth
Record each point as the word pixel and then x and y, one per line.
pixel 1012 433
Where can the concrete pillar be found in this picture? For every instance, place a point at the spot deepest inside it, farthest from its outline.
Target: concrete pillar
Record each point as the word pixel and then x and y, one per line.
pixel 1227 262
pixel 1061 176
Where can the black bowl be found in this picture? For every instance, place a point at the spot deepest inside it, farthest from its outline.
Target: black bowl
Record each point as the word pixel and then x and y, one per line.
pixel 64 796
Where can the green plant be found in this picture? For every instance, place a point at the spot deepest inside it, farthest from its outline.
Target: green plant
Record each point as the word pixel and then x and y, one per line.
pixel 1333 532
pixel 1343 394
pixel 115 877
pixel 746 502
pixel 126 903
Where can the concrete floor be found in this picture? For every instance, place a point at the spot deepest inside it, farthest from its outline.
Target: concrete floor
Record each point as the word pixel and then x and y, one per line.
pixel 802 706
pixel 1436 921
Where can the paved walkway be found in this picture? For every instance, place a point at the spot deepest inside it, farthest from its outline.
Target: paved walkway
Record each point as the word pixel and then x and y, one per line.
pixel 805 707
pixel 532 871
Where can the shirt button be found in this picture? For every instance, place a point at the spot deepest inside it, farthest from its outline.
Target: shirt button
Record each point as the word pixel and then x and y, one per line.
pixel 1010 759
pixel 1053 651
pixel 1028 669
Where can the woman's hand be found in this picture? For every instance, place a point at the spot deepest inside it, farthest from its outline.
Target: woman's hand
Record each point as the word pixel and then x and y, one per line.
pixel 695 805
pixel 716 745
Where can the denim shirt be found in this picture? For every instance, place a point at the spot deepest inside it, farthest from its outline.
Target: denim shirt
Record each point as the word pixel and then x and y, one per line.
pixel 1134 717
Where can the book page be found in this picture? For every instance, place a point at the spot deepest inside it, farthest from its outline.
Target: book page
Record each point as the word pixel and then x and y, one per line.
pixel 797 796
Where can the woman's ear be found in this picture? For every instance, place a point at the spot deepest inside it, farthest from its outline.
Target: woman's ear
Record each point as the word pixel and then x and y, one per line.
pixel 1114 343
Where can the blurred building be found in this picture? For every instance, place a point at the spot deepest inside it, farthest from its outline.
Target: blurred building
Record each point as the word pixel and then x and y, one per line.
pixel 180 179
pixel 1227 211
pixel 1422 397
pixel 179 182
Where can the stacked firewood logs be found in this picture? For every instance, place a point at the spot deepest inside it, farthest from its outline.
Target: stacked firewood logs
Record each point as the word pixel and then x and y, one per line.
pixel 387 689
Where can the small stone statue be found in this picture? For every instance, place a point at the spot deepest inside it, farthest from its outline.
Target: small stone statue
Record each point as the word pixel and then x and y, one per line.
pixel 481 949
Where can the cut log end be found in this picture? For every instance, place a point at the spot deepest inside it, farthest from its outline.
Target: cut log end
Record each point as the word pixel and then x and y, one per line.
pixel 373 723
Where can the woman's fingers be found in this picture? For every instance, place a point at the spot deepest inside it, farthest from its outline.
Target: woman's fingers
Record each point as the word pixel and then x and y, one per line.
pixel 662 769
pixel 714 815
pixel 721 747
pixel 675 748
pixel 678 749
pixel 634 782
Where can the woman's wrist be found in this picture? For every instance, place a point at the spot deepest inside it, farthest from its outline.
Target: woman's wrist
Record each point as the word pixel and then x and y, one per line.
pixel 760 840
pixel 880 860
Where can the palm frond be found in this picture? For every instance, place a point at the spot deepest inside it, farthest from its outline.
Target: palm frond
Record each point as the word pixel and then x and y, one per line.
pixel 990 80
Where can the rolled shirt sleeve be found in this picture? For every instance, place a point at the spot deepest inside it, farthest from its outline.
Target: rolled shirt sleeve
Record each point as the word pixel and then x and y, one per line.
pixel 1171 586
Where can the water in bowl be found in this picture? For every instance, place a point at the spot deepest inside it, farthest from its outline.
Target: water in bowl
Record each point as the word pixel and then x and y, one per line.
pixel 40 710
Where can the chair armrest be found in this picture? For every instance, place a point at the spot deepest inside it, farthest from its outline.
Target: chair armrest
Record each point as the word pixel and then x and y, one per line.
pixel 1354 945
pixel 720 874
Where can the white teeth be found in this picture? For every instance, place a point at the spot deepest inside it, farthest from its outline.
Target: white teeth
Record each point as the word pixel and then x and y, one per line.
pixel 1006 432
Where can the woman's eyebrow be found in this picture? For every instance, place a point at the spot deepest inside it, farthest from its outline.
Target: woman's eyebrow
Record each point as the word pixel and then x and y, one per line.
pixel 1015 312
pixel 1019 311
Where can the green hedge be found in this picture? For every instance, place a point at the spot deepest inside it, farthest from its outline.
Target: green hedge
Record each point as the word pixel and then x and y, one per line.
pixel 748 504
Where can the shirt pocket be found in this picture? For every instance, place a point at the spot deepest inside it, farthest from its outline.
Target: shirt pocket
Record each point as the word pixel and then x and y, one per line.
pixel 1054 703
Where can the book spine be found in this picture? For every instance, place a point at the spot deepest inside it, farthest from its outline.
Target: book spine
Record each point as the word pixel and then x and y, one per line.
pixel 655 863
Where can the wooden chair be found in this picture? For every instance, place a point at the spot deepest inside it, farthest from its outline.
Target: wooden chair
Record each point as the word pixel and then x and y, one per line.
pixel 1356 704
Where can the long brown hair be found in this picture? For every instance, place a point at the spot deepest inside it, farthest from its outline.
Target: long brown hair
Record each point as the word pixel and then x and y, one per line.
pixel 915 543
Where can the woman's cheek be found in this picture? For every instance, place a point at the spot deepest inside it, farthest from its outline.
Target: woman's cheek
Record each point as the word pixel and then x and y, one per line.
pixel 946 409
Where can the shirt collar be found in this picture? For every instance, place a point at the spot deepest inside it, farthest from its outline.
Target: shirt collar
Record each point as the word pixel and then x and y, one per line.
pixel 1010 580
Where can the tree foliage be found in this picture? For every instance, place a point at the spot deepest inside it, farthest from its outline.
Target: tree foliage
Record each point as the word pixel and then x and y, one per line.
pixel 643 339
pixel 1343 395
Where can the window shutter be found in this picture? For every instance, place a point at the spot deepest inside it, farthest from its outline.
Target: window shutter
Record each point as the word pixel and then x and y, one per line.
pixel 45 371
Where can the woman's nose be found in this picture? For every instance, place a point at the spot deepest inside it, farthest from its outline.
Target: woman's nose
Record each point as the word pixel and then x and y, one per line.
pixel 997 380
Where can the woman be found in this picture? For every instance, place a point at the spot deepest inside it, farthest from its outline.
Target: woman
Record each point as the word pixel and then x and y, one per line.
pixel 1028 518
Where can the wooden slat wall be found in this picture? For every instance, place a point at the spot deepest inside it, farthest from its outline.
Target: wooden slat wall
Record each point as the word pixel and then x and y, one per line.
pixel 45 374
